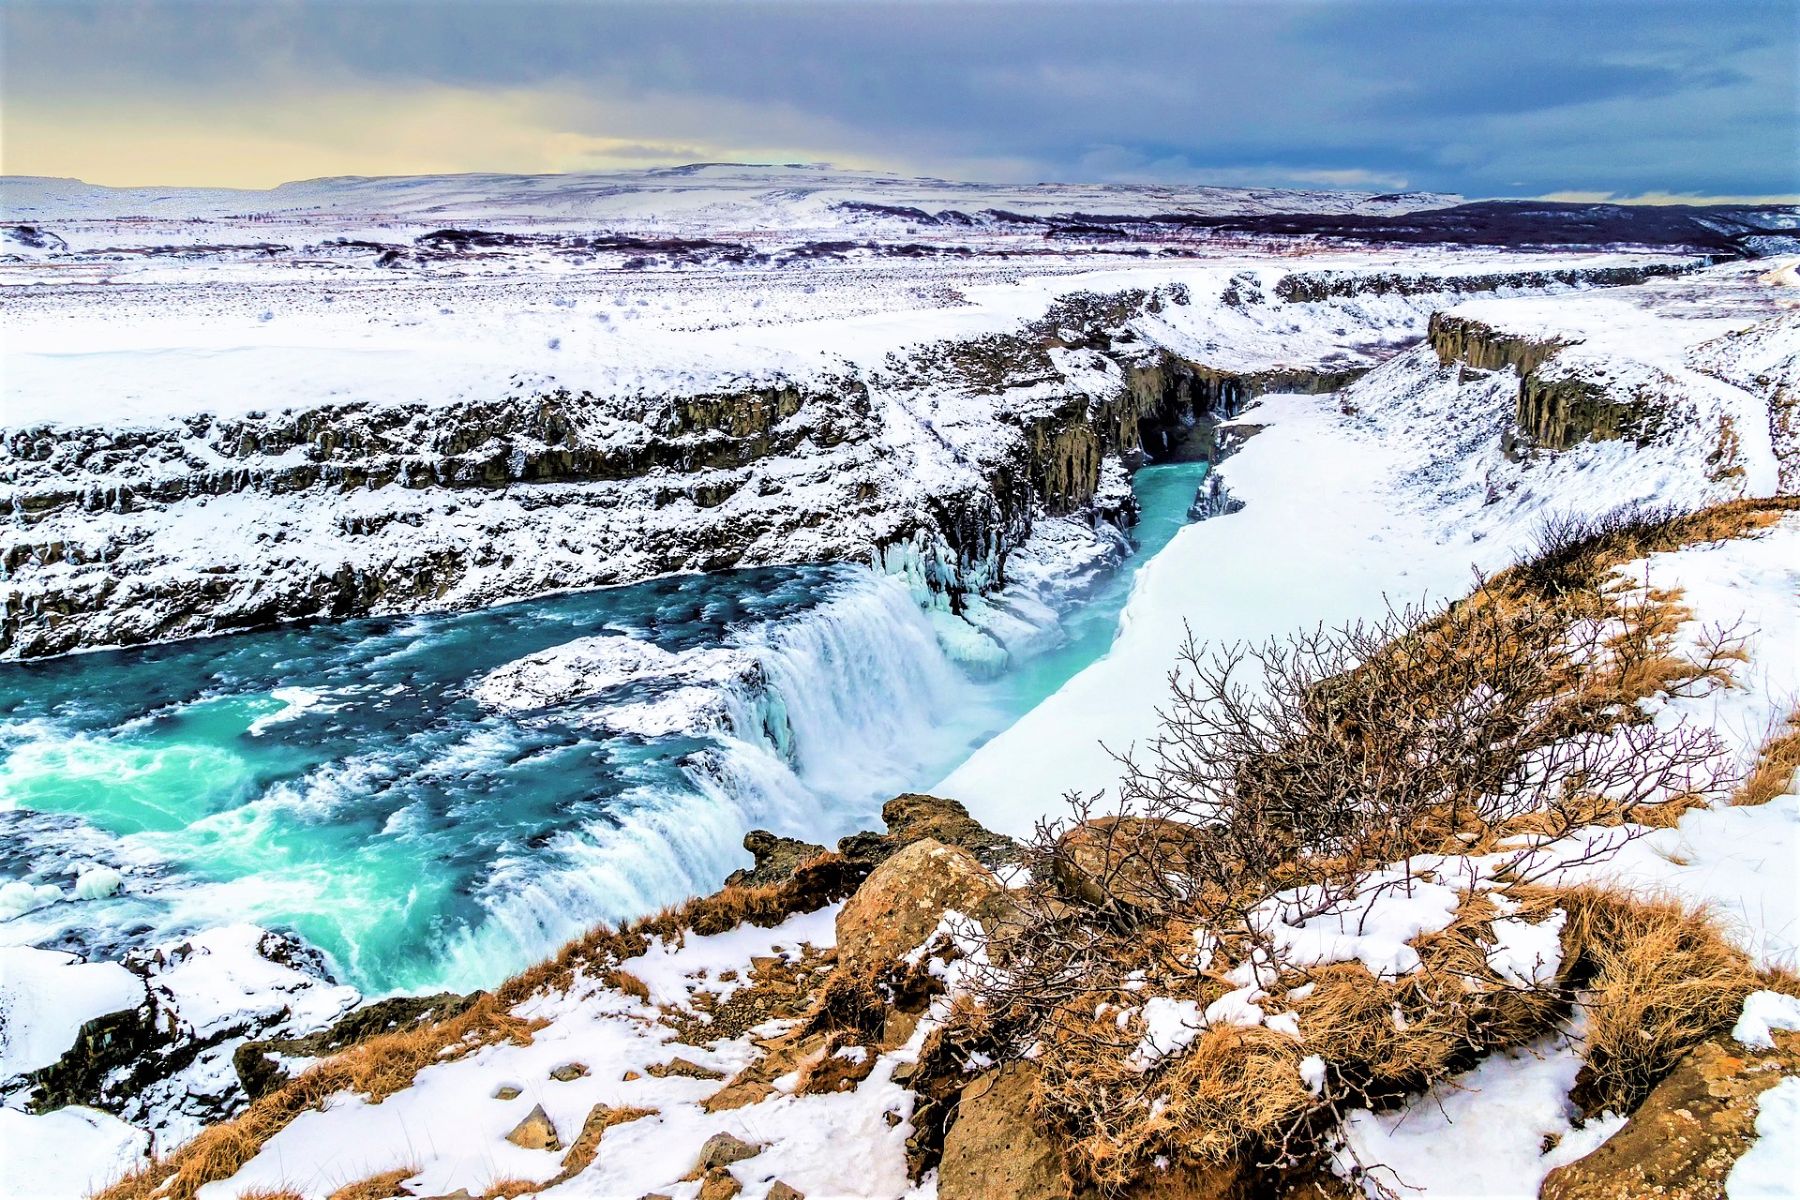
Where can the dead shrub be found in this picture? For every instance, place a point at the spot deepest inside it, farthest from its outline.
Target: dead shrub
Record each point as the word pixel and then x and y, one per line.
pixel 1314 758
pixel 1657 977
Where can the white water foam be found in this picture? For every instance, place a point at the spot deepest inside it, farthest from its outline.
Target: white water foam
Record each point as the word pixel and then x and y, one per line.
pixel 842 708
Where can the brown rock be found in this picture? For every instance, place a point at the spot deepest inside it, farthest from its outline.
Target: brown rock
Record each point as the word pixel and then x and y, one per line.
pixel 535 1132
pixel 685 1069
pixel 913 817
pixel 997 1148
pixel 901 902
pixel 1115 860
pixel 898 1027
pixel 781 1191
pixel 1689 1131
pixel 569 1072
pixel 506 1091
pixel 719 1184
pixel 723 1149
pixel 777 858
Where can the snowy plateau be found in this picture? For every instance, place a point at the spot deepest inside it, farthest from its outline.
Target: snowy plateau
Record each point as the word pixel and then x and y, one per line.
pixel 231 415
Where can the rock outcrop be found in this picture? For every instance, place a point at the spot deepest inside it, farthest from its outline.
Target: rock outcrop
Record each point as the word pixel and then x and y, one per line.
pixel 903 900
pixel 1685 1137
pixel 997 1147
pixel 912 817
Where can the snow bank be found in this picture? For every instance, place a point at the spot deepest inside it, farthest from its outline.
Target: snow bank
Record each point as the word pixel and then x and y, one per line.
pixel 68 1154
pixel 47 996
pixel 1482 1133
pixel 1767 1170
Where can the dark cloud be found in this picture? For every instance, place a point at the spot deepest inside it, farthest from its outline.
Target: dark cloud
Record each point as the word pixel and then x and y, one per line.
pixel 1489 98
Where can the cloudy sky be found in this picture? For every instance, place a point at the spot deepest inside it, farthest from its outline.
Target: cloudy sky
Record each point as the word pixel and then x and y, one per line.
pixel 1484 97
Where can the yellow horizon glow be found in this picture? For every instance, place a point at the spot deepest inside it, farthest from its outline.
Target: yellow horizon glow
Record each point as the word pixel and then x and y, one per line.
pixel 367 132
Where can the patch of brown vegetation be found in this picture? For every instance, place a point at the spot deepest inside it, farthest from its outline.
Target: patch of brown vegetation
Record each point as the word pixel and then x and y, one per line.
pixel 1776 763
pixel 384 1186
pixel 376 1069
pixel 1657 976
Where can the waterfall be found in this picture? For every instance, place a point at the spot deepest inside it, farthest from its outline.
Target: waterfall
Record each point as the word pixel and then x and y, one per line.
pixel 844 709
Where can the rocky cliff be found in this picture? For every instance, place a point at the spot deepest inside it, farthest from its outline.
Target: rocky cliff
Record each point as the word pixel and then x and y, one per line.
pixel 937 462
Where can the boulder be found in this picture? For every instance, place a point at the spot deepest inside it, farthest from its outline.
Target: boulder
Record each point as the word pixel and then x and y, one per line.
pixel 997 1149
pixel 1690 1130
pixel 683 1068
pixel 1120 861
pixel 723 1149
pixel 535 1132
pixel 719 1184
pixel 901 902
pixel 782 1191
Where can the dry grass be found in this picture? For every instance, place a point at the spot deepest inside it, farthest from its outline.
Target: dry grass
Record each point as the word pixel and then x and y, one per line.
pixel 390 1062
pixel 376 1069
pixel 1385 1038
pixel 1573 553
pixel 1776 763
pixel 1657 977
pixel 385 1186
pixel 819 881
pixel 510 1189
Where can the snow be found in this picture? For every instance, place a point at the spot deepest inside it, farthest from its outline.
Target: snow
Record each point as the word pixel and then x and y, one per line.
pixel 449 1126
pixel 1481 1134
pixel 47 996
pixel 1374 927
pixel 221 978
pixel 1527 954
pixel 1740 861
pixel 67 1154
pixel 1763 1013
pixel 19 896
pixel 1767 1170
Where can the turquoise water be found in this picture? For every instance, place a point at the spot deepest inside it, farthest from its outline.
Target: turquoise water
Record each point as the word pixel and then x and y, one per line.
pixel 339 780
